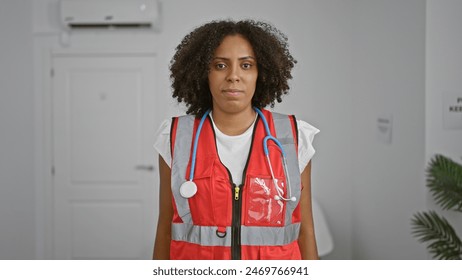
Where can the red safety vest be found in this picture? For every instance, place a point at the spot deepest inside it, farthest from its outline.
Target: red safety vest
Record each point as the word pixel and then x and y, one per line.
pixel 227 221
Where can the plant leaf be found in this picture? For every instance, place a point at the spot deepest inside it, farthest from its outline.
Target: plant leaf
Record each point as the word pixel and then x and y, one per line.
pixel 444 179
pixel 444 244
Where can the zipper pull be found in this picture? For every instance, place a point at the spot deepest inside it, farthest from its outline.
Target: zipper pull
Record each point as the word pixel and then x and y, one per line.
pixel 236 192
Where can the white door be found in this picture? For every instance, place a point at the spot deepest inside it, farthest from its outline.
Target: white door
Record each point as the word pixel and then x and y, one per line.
pixel 105 176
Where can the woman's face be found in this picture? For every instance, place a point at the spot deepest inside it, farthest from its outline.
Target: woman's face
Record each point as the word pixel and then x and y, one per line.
pixel 233 75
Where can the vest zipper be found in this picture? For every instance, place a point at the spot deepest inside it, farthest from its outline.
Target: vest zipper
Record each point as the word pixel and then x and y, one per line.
pixel 236 219
pixel 236 224
pixel 237 201
pixel 237 206
pixel 236 192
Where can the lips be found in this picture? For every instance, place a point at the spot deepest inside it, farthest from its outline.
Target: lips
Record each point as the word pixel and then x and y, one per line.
pixel 233 92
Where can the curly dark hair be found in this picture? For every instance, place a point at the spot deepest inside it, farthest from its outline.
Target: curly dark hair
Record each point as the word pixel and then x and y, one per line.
pixel 190 65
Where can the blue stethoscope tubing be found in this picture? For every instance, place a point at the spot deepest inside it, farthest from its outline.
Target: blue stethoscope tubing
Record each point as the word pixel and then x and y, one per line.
pixel 269 136
pixel 188 189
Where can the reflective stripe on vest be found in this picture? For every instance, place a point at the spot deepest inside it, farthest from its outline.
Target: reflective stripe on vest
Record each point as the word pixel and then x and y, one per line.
pixel 250 235
pixel 182 148
pixel 284 134
pixel 206 235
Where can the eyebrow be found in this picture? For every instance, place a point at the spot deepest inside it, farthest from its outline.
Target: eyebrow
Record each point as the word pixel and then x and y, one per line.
pixel 240 58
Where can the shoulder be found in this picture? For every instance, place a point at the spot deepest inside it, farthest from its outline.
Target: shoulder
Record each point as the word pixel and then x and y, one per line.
pixel 164 128
pixel 162 142
pixel 306 130
pixel 306 151
pixel 166 125
pixel 306 133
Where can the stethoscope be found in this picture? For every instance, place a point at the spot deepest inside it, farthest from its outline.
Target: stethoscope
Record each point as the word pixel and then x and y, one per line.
pixel 188 189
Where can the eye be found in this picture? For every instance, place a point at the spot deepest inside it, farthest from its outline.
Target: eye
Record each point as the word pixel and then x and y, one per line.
pixel 246 65
pixel 220 66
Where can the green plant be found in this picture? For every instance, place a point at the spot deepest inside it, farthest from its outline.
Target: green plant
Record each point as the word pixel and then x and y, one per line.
pixel 444 179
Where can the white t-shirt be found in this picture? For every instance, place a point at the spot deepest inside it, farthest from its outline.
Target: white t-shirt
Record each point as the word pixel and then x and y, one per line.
pixel 234 150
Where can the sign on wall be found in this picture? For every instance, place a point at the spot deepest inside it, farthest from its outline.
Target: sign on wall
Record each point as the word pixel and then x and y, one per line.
pixel 384 128
pixel 452 110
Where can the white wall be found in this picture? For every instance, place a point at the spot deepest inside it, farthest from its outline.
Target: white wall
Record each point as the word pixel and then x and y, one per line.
pixel 389 79
pixel 443 74
pixel 17 195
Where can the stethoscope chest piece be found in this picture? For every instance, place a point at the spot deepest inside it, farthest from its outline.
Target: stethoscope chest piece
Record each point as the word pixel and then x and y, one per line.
pixel 188 189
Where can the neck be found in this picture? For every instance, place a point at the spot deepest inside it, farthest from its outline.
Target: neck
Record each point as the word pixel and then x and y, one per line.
pixel 233 123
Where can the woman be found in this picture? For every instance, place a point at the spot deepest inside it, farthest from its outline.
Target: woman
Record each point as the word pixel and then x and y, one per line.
pixel 221 196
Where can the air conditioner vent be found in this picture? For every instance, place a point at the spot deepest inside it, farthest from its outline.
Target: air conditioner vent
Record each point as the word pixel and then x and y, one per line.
pixel 109 13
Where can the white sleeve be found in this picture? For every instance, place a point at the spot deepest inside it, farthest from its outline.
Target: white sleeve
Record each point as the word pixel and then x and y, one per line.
pixel 306 133
pixel 162 144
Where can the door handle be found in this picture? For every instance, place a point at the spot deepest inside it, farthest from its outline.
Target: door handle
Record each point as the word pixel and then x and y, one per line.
pixel 149 168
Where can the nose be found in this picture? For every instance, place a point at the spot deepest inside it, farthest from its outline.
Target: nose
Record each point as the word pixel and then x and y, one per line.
pixel 233 74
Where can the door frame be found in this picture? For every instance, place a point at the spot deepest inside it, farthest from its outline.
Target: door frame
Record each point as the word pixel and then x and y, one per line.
pixel 44 133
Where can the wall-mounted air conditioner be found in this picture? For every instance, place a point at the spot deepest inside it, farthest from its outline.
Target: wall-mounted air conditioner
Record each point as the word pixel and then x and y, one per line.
pixel 109 13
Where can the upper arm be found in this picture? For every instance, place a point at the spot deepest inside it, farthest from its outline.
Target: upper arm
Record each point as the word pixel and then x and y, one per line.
pixel 165 191
pixel 307 239
pixel 163 235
